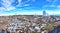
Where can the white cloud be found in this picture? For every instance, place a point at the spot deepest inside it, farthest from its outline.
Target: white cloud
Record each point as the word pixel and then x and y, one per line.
pixel 10 8
pixel 30 13
pixel 58 6
pixel 37 12
pixel 7 9
pixel 6 3
pixel 40 12
pixel 27 5
pixel 49 6
pixel 53 12
pixel 19 1
pixel 33 0
pixel 6 6
pixel 54 1
pixel 49 0
pixel 54 6
pixel 2 9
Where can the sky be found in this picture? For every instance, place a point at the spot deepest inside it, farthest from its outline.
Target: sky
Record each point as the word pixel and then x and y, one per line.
pixel 29 7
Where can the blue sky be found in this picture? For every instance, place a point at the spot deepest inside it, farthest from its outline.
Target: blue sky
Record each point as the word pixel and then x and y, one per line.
pixel 29 7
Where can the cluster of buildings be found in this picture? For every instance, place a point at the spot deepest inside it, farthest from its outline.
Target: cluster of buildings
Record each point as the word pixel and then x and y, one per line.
pixel 18 26
pixel 28 23
pixel 26 27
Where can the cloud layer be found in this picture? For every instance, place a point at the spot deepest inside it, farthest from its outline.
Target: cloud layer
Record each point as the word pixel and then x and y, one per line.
pixel 26 7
